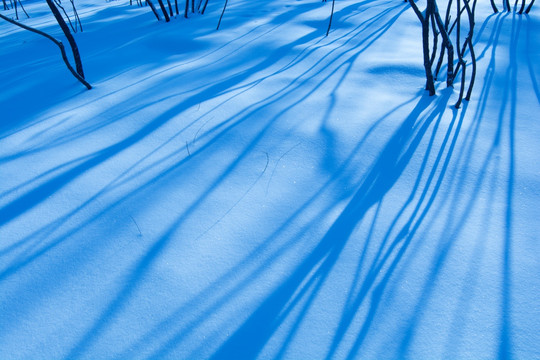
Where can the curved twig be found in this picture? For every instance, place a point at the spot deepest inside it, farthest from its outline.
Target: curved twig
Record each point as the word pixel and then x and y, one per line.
pixel 57 42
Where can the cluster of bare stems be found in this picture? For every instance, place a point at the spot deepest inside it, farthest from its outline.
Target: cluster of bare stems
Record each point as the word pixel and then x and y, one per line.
pixel 456 32
pixel 454 47
pixel 523 8
pixel 55 6
pixel 167 11
pixel 14 4
pixel 198 6
pixel 72 24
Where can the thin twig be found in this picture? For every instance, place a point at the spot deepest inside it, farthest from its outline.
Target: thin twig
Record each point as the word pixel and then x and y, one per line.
pixel 331 16
pixel 223 12
pixel 57 42
pixel 138 228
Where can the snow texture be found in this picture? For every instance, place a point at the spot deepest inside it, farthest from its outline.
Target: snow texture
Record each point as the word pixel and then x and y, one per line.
pixel 264 191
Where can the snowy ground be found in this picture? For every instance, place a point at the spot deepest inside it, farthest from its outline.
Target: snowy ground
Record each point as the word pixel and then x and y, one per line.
pixel 264 191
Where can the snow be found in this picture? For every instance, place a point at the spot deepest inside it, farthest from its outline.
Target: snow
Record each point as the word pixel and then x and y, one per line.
pixel 264 191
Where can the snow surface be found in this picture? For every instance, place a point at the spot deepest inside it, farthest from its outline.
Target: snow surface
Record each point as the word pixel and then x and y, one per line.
pixel 264 191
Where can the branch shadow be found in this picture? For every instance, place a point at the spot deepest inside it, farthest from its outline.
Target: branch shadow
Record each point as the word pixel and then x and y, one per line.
pixel 485 177
pixel 295 294
pixel 247 341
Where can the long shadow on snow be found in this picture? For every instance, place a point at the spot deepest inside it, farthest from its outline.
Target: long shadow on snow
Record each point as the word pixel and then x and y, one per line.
pixel 482 179
pixel 374 186
pixel 155 251
pixel 212 298
pixel 82 165
pixel 138 29
pixel 95 124
pixel 250 338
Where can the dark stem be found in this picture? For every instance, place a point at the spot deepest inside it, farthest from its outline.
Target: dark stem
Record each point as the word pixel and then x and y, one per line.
pixel 462 87
pixel 493 6
pixel 522 7
pixel 77 18
pixel 69 36
pixel 435 42
pixel 22 8
pixel 223 12
pixel 149 2
pixel 171 14
pixel 430 83
pixel 164 11
pixel 57 42
pixel 204 7
pixel 59 5
pixel 471 13
pixel 331 16
pixel 447 43
pixel 529 7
